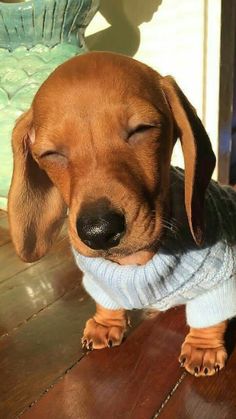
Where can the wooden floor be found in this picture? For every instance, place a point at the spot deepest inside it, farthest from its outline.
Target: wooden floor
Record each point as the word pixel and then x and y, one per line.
pixel 45 374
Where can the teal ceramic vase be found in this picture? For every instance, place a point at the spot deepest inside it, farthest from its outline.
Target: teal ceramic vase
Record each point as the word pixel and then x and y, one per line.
pixel 35 37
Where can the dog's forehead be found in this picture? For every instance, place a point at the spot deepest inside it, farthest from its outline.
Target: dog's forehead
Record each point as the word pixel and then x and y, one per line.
pixel 94 84
pixel 105 73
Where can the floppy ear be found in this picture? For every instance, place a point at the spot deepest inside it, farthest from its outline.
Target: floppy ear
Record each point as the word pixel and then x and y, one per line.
pixel 35 206
pixel 199 159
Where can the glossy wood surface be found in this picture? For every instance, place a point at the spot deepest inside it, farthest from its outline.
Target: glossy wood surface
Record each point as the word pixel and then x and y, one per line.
pixel 125 382
pixel 45 373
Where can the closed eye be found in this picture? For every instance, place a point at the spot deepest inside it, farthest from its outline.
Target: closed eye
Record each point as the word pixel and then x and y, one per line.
pixel 53 156
pixel 142 128
pixel 51 153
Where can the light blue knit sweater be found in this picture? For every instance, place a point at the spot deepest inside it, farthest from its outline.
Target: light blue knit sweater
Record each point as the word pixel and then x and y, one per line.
pixel 180 273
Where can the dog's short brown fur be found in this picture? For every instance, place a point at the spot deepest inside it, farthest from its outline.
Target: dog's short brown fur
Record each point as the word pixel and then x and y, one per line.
pixel 104 126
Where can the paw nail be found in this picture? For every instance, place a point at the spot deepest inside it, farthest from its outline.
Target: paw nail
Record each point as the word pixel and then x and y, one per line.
pixel 206 371
pixel 90 346
pixel 217 368
pixel 182 362
pixel 110 343
pixel 196 371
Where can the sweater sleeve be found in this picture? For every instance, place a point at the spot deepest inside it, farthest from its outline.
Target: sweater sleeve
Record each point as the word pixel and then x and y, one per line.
pixel 99 294
pixel 213 306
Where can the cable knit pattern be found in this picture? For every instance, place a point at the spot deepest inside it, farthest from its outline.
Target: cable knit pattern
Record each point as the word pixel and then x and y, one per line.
pixel 180 273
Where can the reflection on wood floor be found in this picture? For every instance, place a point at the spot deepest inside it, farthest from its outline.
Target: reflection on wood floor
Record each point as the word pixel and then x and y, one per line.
pixel 45 374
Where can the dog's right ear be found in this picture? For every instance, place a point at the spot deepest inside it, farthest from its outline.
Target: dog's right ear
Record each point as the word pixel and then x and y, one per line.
pixel 35 206
pixel 199 159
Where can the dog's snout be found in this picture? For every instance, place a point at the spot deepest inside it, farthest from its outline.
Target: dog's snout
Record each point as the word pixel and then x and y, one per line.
pixel 100 227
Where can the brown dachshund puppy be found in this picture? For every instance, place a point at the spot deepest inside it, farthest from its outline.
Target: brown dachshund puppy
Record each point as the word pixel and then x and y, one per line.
pixel 101 129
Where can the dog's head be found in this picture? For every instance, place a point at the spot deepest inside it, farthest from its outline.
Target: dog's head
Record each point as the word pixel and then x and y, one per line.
pixel 98 140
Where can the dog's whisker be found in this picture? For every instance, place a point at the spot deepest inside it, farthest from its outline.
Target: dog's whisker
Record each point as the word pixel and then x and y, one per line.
pixel 167 225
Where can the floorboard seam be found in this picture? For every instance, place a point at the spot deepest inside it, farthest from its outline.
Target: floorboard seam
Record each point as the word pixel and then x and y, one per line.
pixel 28 266
pixel 57 379
pixel 16 274
pixel 36 314
pixel 177 384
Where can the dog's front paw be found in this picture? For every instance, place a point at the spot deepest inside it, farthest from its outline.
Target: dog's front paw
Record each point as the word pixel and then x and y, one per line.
pixel 97 336
pixel 203 352
pixel 202 361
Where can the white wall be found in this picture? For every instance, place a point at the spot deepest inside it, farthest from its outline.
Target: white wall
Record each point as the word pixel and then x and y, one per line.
pixel 181 38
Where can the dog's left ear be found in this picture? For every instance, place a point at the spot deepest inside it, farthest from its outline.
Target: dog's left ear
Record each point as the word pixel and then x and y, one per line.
pixel 199 159
pixel 35 206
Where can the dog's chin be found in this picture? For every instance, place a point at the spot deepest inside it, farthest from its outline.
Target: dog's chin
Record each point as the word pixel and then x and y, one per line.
pixel 138 258
pixel 123 256
pixel 132 255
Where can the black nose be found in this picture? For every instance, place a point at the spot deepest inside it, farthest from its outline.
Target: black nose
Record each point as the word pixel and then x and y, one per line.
pixel 99 226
